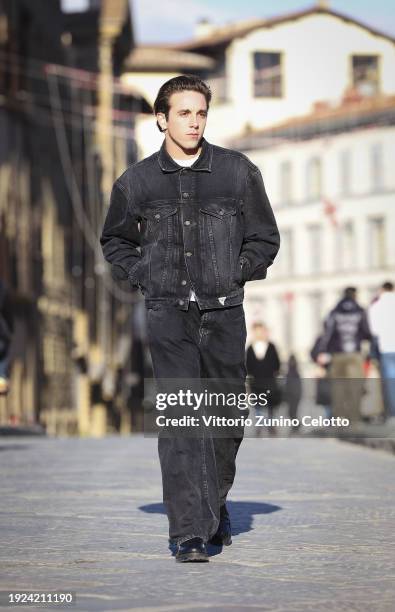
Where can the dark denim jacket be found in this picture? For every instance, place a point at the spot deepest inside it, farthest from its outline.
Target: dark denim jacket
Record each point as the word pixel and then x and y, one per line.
pixel 208 227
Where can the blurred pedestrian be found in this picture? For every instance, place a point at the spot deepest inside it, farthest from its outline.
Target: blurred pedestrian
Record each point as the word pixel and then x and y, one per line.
pixel 381 315
pixel 293 389
pixel 263 368
pixel 344 330
pixel 323 384
pixel 6 330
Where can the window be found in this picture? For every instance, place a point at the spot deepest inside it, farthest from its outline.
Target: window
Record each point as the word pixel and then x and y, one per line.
pixel 346 247
pixel 285 307
pixel 365 74
pixel 217 81
pixel 267 75
pixel 376 166
pixel 257 306
pixel 345 172
pixel 377 242
pixel 313 178
pixel 285 264
pixel 315 319
pixel 286 195
pixel 315 247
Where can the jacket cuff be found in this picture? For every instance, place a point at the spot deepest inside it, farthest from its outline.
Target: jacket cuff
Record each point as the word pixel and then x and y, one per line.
pixel 245 268
pixel 118 272
pixel 133 274
pixel 260 273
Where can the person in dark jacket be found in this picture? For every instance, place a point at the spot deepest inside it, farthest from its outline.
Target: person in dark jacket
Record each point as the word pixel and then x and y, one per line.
pixel 293 389
pixel 323 384
pixel 344 330
pixel 263 367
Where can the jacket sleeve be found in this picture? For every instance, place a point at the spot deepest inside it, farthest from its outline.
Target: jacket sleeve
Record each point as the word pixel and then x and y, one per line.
pixel 120 238
pixel 261 236
pixel 324 342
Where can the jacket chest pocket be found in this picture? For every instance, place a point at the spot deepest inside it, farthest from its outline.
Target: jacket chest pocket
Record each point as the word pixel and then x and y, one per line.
pixel 157 221
pixel 219 210
pixel 217 220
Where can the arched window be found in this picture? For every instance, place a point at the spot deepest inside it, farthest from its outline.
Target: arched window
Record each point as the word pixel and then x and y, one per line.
pixel 286 183
pixel 314 178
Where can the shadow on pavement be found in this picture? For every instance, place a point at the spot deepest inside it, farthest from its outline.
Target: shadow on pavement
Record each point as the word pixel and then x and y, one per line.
pixel 241 513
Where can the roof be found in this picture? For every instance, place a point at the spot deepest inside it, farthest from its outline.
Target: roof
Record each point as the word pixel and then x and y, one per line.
pixel 225 34
pixel 158 57
pixel 324 119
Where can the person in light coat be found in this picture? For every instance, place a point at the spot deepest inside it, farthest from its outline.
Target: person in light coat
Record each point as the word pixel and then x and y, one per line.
pixel 381 319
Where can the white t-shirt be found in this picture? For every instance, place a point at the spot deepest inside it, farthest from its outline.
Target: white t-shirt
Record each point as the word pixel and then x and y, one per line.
pixel 188 162
pixel 260 348
pixel 381 319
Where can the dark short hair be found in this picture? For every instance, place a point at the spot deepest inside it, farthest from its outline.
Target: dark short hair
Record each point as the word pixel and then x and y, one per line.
pixel 350 292
pixel 258 324
pixel 189 82
pixel 388 286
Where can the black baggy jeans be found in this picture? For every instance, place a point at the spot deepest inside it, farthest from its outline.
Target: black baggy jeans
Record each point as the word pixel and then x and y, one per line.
pixel 197 472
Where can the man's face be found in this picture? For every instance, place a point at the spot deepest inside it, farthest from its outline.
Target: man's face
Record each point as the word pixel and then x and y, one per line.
pixel 186 121
pixel 260 333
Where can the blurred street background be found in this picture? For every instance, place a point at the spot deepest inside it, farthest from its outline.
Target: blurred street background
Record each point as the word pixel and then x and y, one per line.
pixel 307 92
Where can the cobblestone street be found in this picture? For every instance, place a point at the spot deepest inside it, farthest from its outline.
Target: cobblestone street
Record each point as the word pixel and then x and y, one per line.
pixel 313 524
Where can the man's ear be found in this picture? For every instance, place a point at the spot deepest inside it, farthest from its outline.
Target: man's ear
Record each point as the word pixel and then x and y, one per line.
pixel 161 119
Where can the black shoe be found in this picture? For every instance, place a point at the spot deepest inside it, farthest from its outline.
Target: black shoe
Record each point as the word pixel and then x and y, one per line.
pixel 223 537
pixel 192 550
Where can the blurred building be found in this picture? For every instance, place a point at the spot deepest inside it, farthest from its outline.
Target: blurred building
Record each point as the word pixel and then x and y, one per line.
pixel 332 188
pixel 67 128
pixel 309 97
pixel 267 70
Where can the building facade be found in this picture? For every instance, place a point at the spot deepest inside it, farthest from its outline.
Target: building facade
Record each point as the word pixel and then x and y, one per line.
pixel 67 132
pixel 319 125
pixel 267 70
pixel 333 193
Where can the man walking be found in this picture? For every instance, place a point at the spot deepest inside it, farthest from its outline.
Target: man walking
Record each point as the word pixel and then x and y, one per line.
pixel 381 318
pixel 190 225
pixel 345 328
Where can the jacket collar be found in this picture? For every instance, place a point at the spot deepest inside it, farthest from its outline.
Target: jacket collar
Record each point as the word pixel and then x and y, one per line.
pixel 203 162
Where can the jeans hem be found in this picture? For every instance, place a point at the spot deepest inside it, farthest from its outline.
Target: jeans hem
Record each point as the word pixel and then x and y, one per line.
pixel 183 539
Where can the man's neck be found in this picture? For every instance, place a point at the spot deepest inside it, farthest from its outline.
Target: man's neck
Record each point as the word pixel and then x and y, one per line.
pixel 177 152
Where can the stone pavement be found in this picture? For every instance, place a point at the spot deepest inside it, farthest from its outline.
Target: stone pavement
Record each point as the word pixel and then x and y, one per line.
pixel 313 527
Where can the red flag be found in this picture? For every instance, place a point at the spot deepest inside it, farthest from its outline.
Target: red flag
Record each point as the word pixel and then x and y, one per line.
pixel 330 210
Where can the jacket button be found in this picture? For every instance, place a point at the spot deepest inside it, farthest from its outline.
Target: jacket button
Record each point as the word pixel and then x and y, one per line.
pixel 181 302
pixel 187 223
pixel 188 253
pixel 185 195
pixel 183 282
